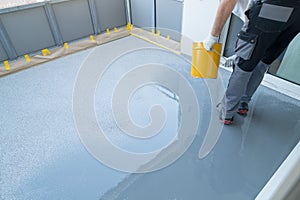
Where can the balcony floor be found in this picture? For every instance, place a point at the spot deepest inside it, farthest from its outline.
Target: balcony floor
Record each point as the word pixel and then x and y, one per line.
pixel 42 156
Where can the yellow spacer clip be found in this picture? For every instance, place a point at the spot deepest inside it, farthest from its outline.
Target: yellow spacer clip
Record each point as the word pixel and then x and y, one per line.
pixel 27 58
pixel 46 52
pixel 116 30
pixel 168 37
pixel 158 33
pixel 66 45
pixel 108 31
pixel 92 38
pixel 152 32
pixel 129 26
pixel 6 65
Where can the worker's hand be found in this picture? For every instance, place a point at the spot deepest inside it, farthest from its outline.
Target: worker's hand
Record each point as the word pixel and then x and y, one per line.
pixel 209 42
pixel 229 62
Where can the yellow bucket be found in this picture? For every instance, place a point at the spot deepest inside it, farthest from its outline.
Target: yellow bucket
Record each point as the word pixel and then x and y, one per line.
pixel 205 63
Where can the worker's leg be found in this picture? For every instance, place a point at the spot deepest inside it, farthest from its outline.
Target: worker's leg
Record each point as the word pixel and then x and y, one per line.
pixel 254 81
pixel 235 90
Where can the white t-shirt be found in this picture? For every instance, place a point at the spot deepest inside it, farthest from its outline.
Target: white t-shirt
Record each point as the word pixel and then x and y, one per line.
pixel 240 8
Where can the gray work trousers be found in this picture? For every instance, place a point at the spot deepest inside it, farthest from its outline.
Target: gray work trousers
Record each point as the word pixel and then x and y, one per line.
pixel 241 87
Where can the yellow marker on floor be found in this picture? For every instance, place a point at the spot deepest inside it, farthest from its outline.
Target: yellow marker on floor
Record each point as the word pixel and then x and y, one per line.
pixel 6 65
pixel 158 33
pixel 27 58
pixel 129 26
pixel 141 30
pixel 66 45
pixel 152 32
pixel 116 30
pixel 108 31
pixel 92 38
pixel 168 37
pixel 46 52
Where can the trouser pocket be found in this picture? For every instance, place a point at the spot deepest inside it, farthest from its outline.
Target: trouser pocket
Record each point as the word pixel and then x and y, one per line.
pixel 245 45
pixel 272 18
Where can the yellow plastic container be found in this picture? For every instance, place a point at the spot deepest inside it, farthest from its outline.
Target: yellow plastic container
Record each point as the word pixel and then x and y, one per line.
pixel 205 63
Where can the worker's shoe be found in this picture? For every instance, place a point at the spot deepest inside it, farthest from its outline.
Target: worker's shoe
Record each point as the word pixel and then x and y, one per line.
pixel 228 121
pixel 243 109
pixel 222 115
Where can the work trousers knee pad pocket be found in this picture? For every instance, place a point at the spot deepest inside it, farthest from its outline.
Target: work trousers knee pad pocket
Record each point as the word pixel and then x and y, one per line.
pixel 245 45
pixel 273 18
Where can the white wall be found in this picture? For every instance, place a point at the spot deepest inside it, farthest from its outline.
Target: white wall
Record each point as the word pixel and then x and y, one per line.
pixel 198 17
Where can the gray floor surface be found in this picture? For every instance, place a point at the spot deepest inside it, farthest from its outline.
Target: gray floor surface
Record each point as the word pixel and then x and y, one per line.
pixel 42 156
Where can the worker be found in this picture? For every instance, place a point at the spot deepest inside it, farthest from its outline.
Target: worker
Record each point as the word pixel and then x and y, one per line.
pixel 271 26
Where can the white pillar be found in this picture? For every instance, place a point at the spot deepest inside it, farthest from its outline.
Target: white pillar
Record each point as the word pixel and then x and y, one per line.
pixel 198 17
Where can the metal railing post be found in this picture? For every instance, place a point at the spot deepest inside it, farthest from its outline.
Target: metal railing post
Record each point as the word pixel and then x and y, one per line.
pixel 53 24
pixel 128 11
pixel 94 16
pixel 6 42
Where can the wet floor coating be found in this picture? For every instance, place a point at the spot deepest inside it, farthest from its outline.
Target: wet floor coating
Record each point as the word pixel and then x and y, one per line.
pixel 42 156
